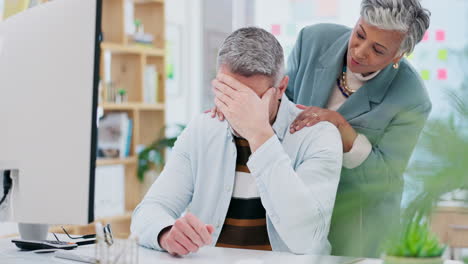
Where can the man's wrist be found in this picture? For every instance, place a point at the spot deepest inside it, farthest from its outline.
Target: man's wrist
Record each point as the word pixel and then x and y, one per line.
pixel 259 138
pixel 162 236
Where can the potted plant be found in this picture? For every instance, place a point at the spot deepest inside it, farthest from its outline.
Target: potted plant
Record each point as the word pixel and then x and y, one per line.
pixel 444 169
pixel 151 158
pixel 416 244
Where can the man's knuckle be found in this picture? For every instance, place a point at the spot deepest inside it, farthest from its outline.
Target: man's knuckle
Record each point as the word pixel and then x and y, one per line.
pixel 199 230
pixel 178 223
pixel 189 217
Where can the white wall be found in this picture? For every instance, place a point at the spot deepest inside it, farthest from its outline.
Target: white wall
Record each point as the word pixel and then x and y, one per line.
pixel 217 25
pixel 186 16
pixel 204 24
pixel 243 13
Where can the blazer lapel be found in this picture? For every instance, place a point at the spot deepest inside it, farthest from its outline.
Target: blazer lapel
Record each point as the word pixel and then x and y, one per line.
pixel 325 76
pixel 372 91
pixel 323 86
pixel 356 105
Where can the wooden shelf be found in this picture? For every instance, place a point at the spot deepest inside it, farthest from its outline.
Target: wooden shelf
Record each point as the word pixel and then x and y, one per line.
pixel 107 162
pixel 148 1
pixel 132 106
pixel 132 49
pixel 154 107
pixel 126 70
pixel 126 215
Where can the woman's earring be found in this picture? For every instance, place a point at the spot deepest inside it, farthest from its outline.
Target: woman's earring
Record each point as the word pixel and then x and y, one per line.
pixel 396 65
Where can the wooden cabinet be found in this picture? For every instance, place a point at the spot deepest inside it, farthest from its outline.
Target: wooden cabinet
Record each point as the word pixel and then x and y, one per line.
pixel 450 223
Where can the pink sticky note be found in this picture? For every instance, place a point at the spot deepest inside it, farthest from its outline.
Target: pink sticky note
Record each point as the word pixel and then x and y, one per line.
pixel 426 36
pixel 440 35
pixel 442 74
pixel 276 29
pixel 327 8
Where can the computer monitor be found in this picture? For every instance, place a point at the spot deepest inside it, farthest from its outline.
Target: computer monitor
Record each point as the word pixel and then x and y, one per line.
pixel 49 74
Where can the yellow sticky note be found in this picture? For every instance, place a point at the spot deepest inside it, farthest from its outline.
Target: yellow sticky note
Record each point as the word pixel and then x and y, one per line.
pixel 410 56
pixel 443 54
pixel 426 75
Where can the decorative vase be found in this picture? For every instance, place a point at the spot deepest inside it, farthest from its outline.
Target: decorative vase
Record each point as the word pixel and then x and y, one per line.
pixel 405 260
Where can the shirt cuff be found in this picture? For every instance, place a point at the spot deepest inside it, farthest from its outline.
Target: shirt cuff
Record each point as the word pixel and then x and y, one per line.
pixel 358 153
pixel 148 235
pixel 265 154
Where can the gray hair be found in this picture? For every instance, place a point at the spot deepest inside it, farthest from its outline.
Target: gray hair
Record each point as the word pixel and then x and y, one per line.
pixel 253 51
pixel 402 15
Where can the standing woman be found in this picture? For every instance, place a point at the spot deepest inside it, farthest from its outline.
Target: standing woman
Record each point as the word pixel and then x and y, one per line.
pixel 356 79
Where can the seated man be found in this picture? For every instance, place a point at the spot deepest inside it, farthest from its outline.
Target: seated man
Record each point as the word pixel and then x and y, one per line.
pixel 247 182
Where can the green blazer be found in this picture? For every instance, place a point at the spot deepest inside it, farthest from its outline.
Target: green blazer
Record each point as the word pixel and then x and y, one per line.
pixel 390 110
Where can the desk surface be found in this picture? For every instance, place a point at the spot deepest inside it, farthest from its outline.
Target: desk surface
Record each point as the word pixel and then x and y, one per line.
pixel 207 255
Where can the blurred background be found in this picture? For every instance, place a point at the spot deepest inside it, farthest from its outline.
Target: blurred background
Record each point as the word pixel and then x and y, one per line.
pixel 159 57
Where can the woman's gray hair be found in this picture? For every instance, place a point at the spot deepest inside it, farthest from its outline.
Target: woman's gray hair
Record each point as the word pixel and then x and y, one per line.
pixel 403 15
pixel 253 51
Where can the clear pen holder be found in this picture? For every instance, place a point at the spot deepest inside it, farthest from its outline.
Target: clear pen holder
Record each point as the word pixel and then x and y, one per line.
pixel 121 251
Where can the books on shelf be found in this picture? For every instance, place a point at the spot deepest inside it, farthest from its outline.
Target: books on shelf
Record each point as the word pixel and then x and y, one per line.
pixel 150 86
pixel 129 138
pixel 114 135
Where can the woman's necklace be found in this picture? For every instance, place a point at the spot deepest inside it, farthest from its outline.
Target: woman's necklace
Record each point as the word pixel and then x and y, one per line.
pixel 343 86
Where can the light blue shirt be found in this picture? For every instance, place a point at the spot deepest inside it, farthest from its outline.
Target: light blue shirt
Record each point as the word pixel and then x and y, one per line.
pixel 296 174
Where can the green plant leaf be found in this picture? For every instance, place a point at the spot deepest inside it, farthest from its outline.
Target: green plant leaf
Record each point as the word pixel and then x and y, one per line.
pixel 153 155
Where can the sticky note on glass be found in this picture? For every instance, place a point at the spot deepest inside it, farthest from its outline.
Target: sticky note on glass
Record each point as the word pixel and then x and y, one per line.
pixel 410 56
pixel 276 29
pixel 442 74
pixel 442 54
pixel 440 35
pixel 426 36
pixel 426 75
pixel 287 50
pixel 291 30
pixel 327 8
pixel 302 10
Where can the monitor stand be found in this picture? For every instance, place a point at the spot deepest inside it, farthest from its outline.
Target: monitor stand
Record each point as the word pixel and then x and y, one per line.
pixel 33 231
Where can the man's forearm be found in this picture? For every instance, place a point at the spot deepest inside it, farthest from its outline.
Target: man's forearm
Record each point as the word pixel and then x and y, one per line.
pixel 259 138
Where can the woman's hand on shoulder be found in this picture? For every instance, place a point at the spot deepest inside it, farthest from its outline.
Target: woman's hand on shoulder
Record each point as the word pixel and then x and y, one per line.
pixel 215 112
pixel 312 115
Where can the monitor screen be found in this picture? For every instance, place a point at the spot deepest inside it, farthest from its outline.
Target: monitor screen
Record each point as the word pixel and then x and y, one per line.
pixel 49 74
